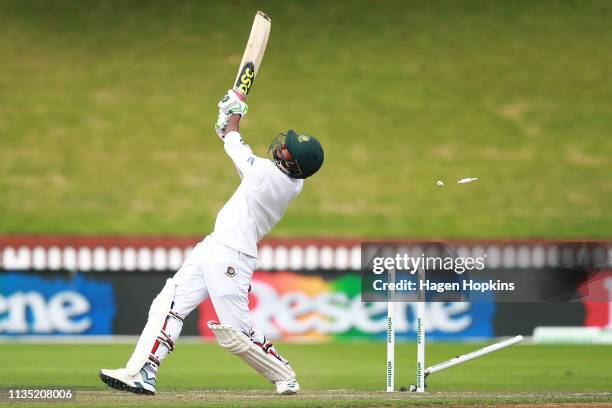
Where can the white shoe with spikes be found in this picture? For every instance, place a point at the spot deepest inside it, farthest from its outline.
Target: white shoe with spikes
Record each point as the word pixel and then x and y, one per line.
pixel 142 383
pixel 287 387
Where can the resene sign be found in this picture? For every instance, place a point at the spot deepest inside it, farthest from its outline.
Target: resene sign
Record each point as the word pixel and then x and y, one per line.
pixel 40 305
pixel 289 305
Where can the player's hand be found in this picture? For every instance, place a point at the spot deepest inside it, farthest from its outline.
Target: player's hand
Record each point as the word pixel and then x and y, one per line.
pixel 231 104
pixel 221 124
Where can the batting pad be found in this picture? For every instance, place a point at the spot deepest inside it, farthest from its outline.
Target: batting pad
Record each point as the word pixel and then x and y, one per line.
pixel 157 316
pixel 241 345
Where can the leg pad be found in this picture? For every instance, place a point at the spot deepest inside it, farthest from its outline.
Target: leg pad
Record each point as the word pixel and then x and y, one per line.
pixel 241 345
pixel 158 312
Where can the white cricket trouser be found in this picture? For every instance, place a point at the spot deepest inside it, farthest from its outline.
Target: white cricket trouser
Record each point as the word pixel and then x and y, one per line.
pixel 221 273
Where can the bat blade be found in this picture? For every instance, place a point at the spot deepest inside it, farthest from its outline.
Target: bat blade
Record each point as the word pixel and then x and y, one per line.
pixel 253 53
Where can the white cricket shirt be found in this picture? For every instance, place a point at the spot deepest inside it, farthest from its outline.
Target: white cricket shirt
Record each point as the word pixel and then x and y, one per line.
pixel 259 202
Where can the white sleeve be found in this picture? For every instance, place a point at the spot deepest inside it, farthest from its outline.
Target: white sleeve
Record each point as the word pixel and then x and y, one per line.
pixel 240 153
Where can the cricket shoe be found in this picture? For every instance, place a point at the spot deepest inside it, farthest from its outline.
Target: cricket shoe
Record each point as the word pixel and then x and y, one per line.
pixel 142 383
pixel 290 387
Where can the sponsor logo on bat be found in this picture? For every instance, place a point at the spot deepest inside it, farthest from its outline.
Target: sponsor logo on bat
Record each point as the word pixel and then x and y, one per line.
pixel 246 78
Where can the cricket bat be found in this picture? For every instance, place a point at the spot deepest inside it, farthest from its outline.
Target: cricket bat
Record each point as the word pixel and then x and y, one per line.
pixel 253 54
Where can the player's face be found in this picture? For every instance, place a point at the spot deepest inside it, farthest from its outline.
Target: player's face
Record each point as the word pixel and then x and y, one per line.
pixel 283 153
pixel 280 155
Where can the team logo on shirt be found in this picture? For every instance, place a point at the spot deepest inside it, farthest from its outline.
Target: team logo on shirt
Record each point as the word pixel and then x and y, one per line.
pixel 231 272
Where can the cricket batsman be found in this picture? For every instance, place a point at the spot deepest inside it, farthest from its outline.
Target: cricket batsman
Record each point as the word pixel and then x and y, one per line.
pixel 221 266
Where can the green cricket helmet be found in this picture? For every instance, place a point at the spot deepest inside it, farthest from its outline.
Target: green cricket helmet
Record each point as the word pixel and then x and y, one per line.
pixel 306 154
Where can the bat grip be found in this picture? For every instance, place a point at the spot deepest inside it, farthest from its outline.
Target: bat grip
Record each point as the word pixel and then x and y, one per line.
pixel 240 95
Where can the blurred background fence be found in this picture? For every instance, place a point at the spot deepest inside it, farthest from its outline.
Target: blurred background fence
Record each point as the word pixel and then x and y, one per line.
pixel 304 289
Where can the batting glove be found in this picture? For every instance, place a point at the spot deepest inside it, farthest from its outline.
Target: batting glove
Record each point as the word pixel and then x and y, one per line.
pixel 231 104
pixel 221 124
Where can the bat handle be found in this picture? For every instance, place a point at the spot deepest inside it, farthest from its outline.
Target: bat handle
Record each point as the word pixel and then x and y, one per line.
pixel 240 94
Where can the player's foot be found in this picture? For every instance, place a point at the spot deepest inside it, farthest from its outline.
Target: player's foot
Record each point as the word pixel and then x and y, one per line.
pixel 142 383
pixel 287 387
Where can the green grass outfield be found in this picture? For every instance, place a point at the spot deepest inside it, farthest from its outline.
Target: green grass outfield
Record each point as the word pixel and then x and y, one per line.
pixel 331 374
pixel 107 108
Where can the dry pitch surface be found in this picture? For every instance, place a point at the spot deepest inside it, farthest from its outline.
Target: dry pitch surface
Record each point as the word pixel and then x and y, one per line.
pixel 341 398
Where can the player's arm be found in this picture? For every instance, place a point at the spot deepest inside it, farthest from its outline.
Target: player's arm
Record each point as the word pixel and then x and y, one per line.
pixel 231 110
pixel 233 123
pixel 240 153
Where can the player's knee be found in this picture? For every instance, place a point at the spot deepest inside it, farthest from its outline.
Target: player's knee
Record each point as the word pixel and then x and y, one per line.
pixel 229 337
